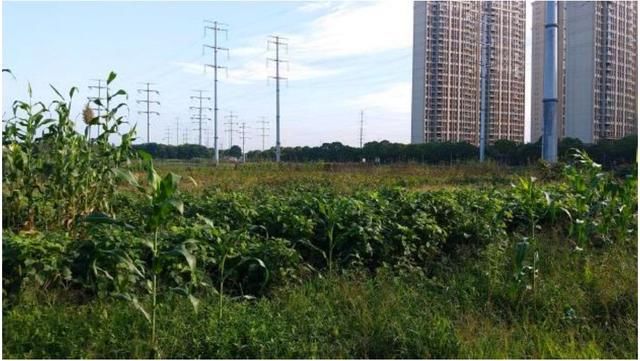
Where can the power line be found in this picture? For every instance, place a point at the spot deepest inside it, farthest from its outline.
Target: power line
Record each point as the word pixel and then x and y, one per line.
pixel 277 41
pixel 263 130
pixel 199 117
pixel 230 123
pixel 217 27
pixel 148 91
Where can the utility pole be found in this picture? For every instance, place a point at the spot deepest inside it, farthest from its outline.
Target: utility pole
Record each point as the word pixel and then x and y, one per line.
pixel 215 28
pixel 177 130
pixel 148 91
pixel 550 84
pixel 185 136
pixel 243 132
pixel 207 137
pixel 168 135
pixel 199 117
pixel 361 126
pixel 99 98
pixel 484 75
pixel 230 123
pixel 263 130
pixel 277 41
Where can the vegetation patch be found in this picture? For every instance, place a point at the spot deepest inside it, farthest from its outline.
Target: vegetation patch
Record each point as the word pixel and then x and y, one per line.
pixel 300 267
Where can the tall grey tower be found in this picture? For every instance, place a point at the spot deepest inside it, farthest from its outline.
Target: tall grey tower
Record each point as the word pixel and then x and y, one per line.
pixel 447 44
pixel 537 50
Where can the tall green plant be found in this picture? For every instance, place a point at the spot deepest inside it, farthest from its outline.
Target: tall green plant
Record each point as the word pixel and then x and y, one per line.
pixel 52 173
pixel 164 203
pixel 226 253
pixel 601 207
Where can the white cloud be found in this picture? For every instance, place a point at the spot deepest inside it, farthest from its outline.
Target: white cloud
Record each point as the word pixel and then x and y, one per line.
pixel 191 68
pixel 346 29
pixel 312 6
pixel 247 51
pixel 258 71
pixel 396 98
pixel 253 71
pixel 356 29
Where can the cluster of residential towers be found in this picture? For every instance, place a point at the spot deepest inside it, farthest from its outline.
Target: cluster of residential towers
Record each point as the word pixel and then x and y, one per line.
pixel 597 70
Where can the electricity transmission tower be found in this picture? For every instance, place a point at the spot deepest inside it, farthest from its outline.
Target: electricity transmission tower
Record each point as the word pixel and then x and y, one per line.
pixel 147 101
pixel 278 42
pixel 361 126
pixel 243 135
pixel 185 136
pixel 230 123
pixel 200 117
pixel 207 138
pixel 168 135
pixel 100 98
pixel 216 27
pixel 263 130
pixel 177 131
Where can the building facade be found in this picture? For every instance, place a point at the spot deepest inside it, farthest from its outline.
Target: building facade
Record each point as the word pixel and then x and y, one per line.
pixel 537 66
pixel 447 49
pixel 601 70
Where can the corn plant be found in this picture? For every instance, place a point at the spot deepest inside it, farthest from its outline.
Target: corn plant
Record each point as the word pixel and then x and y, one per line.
pixel 525 272
pixel 531 201
pixel 53 174
pixel 327 216
pixel 22 162
pixel 600 207
pixel 163 200
pixel 226 253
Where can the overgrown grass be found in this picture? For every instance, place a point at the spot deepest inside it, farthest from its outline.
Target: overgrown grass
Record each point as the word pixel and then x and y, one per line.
pixel 348 177
pixel 532 271
pixel 584 309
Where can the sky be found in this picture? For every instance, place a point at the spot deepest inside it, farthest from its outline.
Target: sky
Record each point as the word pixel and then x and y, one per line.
pixel 343 58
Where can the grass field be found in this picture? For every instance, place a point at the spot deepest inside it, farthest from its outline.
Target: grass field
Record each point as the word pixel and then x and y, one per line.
pixel 348 176
pixel 448 314
pixel 404 261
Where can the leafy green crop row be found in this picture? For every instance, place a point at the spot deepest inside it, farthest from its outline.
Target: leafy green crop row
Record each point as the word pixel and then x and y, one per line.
pixel 311 230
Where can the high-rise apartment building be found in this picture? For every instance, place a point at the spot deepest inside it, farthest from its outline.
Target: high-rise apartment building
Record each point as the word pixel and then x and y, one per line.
pixel 601 70
pixel 447 48
pixel 537 66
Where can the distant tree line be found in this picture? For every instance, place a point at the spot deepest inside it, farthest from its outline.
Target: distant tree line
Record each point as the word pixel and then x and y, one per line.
pixel 185 151
pixel 608 152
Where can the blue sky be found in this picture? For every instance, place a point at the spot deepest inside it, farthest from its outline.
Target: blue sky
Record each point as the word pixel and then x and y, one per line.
pixel 344 57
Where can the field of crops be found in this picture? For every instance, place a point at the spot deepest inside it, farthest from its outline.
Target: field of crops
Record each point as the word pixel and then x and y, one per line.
pixel 106 255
